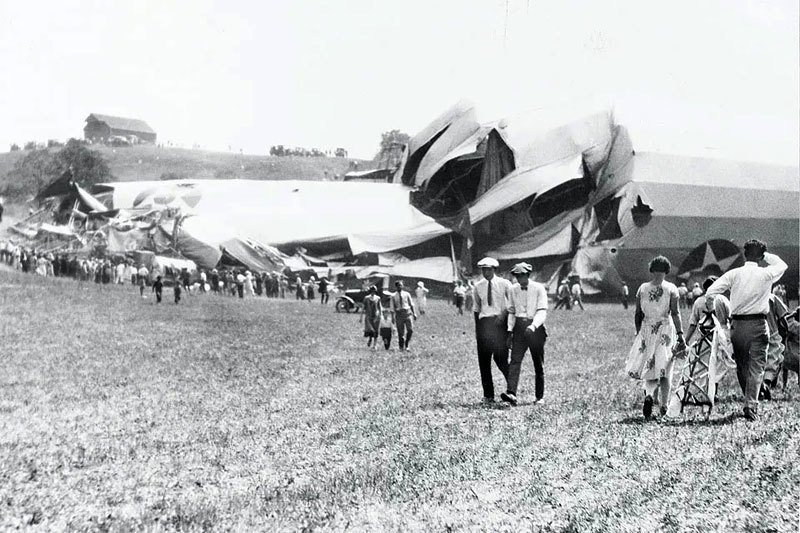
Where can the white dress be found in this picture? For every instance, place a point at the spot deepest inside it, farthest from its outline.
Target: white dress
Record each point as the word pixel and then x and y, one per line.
pixel 650 356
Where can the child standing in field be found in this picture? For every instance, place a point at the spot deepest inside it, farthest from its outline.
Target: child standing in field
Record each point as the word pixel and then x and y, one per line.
pixel 176 290
pixel 386 328
pixel 158 288
pixel 372 317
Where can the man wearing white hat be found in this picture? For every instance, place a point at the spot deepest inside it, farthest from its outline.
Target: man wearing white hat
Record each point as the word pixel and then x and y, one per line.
pixel 527 311
pixel 491 310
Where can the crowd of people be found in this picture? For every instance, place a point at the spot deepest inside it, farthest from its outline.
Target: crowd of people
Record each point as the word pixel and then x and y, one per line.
pixel 739 320
pixel 48 264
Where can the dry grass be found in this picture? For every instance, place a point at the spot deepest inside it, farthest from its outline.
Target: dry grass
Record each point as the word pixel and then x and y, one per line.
pixel 147 162
pixel 119 414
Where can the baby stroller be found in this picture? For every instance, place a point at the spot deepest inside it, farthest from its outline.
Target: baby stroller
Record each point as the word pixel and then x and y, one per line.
pixel 701 370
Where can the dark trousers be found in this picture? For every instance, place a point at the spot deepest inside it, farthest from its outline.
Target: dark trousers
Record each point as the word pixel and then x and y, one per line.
pixel 490 332
pixel 386 335
pixel 625 302
pixel 750 339
pixel 405 327
pixel 525 339
pixel 158 297
pixel 323 297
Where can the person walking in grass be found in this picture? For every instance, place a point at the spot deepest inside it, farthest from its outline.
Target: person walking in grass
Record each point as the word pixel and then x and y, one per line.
pixel 527 312
pixel 460 294
pixel 469 295
pixel 240 279
pixel 141 279
pixel 491 313
pixel 176 291
pixel 372 311
pixel 563 295
pixel 386 328
pixel 658 331
pixel 421 293
pixel 404 315
pixel 158 288
pixel 625 293
pixel 776 323
pixel 750 289
pixel 577 293
pixel 324 296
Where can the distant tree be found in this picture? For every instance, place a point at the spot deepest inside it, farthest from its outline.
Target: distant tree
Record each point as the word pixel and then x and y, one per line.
pixel 15 147
pixel 30 145
pixel 31 173
pixel 53 143
pixel 172 175
pixel 89 167
pixel 392 144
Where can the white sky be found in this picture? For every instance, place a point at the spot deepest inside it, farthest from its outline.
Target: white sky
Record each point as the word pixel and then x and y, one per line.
pixel 716 78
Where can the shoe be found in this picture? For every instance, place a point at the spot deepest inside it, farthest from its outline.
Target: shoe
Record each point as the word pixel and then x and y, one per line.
pixel 662 410
pixel 487 401
pixel 647 408
pixel 765 393
pixel 750 414
pixel 508 398
pixel 538 401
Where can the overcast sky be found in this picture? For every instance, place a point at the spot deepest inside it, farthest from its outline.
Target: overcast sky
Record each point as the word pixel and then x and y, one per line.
pixel 716 78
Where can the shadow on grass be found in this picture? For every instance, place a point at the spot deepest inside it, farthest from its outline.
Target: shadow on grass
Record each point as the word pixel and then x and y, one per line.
pixel 640 421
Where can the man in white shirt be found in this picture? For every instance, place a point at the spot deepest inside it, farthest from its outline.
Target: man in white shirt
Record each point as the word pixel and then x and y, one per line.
pixel 403 315
pixel 491 311
pixel 750 287
pixel 527 311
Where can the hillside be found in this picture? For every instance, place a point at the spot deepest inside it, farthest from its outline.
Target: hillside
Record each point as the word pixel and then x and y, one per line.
pixel 149 162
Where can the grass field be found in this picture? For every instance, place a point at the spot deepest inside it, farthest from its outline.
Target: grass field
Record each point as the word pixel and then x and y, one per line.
pixel 119 414
pixel 147 162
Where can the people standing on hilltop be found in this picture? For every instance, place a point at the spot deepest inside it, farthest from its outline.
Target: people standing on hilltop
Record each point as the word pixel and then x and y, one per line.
pixel 658 331
pixel 750 287
pixel 491 312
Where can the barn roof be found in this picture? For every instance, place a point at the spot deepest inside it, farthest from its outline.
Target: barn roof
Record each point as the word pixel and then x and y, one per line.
pixel 121 123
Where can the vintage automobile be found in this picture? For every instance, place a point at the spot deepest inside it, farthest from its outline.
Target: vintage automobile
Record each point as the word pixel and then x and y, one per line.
pixel 353 300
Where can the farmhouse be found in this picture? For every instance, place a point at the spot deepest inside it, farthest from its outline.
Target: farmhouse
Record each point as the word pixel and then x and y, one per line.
pixel 99 128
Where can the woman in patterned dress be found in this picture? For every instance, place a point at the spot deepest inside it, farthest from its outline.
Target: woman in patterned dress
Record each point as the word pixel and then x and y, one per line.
pixel 372 317
pixel 658 331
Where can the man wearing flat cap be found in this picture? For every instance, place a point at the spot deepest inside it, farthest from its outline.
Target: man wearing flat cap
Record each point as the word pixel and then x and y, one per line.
pixel 527 311
pixel 491 310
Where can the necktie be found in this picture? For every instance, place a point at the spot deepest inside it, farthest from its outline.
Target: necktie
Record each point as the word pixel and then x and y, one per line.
pixel 489 293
